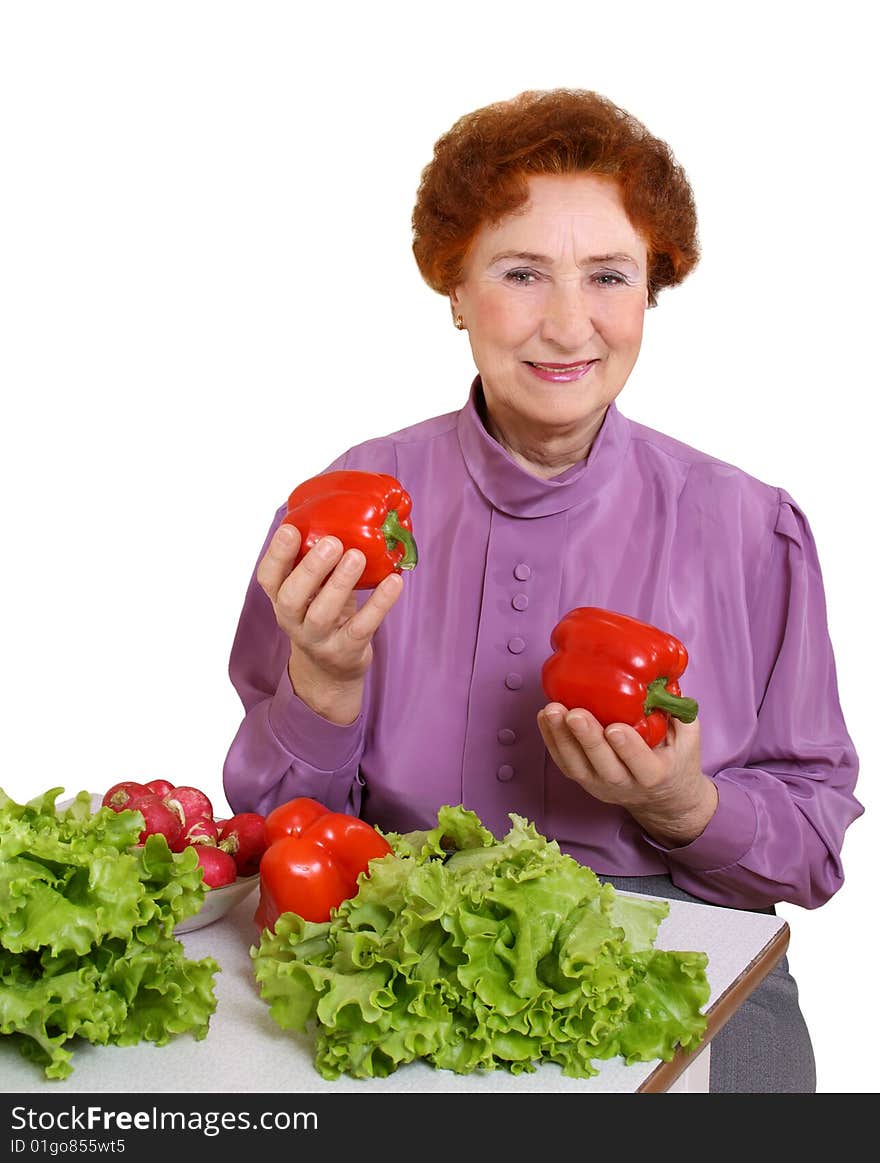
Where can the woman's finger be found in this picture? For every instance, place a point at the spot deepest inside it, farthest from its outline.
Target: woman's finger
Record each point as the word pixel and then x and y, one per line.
pixel 362 625
pixel 566 752
pixel 304 583
pixel 277 562
pixel 326 609
pixel 646 768
pixel 589 734
pixel 549 736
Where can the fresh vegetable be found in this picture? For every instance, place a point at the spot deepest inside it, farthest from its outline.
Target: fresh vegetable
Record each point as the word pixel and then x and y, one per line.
pixel 369 511
pixel 120 795
pixel 87 946
pixel 201 832
pixel 184 816
pixel 218 867
pixel 501 954
pixel 162 787
pixel 292 818
pixel 158 819
pixel 189 804
pixel 313 861
pixel 243 836
pixel 618 668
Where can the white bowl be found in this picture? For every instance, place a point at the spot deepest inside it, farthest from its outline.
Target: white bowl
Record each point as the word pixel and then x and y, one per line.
pixel 218 901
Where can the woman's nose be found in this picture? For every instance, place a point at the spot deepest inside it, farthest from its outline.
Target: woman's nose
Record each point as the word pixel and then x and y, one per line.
pixel 568 320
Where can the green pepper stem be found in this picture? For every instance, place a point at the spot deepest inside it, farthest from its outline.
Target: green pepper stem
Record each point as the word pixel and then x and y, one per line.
pixel 660 699
pixel 395 533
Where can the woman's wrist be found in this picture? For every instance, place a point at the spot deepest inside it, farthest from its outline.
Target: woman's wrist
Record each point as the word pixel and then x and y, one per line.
pixel 675 827
pixel 339 703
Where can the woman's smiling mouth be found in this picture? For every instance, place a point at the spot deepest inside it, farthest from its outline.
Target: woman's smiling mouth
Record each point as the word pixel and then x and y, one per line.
pixel 561 373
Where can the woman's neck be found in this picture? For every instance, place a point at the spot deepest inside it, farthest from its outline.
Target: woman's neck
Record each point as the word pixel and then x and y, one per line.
pixel 542 456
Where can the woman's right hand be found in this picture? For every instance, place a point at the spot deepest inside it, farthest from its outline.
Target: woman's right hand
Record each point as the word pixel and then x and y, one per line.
pixel 315 606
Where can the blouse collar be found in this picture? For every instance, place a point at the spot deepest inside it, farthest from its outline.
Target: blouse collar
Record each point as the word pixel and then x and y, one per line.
pixel 509 487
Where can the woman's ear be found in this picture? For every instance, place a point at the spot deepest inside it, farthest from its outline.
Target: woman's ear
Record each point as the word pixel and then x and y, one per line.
pixel 455 303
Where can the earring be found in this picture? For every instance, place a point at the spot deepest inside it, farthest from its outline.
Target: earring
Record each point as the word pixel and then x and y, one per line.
pixel 459 322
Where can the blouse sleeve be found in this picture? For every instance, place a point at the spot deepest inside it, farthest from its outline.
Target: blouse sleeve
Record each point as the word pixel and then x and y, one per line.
pixel 282 748
pixel 778 831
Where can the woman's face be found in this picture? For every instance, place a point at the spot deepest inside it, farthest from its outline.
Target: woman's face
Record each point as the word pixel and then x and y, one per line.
pixel 553 298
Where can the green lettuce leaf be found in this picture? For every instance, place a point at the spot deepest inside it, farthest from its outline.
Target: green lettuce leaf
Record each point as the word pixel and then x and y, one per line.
pixel 477 953
pixel 86 932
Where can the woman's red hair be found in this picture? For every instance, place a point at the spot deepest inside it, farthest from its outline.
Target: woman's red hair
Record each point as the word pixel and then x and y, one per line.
pixel 481 166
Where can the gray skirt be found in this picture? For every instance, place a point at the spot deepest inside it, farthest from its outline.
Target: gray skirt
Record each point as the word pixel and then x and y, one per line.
pixel 765 1047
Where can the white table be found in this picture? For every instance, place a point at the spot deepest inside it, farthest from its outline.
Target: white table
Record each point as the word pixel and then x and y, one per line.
pixel 246 1052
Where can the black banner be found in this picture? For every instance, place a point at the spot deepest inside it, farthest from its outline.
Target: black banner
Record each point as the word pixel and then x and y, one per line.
pixel 157 1127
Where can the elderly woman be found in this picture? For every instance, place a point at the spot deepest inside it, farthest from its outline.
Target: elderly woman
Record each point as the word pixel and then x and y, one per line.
pixel 552 222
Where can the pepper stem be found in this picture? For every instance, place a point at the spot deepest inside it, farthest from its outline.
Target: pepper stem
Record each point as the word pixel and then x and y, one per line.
pixel 395 533
pixel 660 699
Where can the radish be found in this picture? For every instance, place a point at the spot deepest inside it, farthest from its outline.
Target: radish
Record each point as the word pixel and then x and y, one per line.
pixel 218 867
pixel 158 817
pixel 244 837
pixel 189 804
pixel 162 787
pixel 119 796
pixel 202 831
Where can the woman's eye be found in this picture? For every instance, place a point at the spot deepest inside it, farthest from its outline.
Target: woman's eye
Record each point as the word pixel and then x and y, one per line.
pixel 522 277
pixel 610 279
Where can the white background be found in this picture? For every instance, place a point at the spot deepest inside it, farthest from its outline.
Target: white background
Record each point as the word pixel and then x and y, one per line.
pixel 208 293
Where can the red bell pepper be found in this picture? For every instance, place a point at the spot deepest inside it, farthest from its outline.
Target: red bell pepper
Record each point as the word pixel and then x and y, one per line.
pixel 313 860
pixel 618 668
pixel 369 511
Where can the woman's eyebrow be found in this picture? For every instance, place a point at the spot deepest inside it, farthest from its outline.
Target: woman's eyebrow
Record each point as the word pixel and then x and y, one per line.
pixel 619 257
pixel 521 256
pixel 543 259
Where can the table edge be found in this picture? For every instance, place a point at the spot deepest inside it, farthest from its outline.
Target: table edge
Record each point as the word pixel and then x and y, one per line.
pixel 722 1010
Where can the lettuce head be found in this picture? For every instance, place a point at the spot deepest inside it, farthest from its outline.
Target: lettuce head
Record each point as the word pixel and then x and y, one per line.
pixel 477 953
pixel 87 945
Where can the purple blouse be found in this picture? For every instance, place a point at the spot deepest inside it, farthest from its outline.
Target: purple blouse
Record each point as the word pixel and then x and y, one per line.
pixel 645 525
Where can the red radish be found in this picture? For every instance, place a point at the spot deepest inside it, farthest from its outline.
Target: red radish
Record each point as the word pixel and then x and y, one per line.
pixel 244 837
pixel 189 804
pixel 120 795
pixel 202 831
pixel 162 787
pixel 158 817
pixel 218 867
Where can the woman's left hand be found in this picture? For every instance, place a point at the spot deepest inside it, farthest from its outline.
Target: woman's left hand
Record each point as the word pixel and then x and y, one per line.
pixel 663 788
